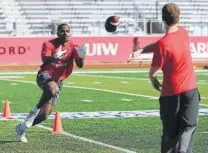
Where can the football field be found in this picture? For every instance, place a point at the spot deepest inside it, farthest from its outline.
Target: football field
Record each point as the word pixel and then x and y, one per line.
pixel 102 111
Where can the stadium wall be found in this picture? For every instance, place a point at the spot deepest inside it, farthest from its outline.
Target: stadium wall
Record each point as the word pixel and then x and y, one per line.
pixel 102 52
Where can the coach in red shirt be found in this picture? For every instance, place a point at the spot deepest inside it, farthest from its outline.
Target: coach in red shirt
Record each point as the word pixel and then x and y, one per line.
pixel 58 56
pixel 179 100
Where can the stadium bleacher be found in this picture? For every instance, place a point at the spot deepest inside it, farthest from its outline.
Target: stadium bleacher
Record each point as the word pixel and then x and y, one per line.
pixel 87 17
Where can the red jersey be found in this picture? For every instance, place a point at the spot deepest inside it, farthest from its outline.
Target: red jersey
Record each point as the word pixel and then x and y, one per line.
pixel 60 69
pixel 173 56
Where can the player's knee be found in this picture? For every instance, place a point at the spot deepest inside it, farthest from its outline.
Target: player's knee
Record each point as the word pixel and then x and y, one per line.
pixel 45 115
pixel 46 110
pixel 52 88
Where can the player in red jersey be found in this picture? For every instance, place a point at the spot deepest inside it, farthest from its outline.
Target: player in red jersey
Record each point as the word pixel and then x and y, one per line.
pixel 180 98
pixel 58 56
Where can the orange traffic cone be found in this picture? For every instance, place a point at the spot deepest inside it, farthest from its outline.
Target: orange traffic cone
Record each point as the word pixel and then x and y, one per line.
pixel 6 113
pixel 57 125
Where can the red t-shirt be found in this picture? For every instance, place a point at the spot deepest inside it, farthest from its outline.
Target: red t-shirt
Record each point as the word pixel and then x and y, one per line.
pixel 173 56
pixel 60 69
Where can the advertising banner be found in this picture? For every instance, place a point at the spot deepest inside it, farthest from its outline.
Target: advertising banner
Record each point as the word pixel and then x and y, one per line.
pixel 27 50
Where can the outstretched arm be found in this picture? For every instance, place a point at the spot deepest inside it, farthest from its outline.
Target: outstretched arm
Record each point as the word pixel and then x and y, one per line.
pixel 79 62
pixel 81 53
pixel 147 49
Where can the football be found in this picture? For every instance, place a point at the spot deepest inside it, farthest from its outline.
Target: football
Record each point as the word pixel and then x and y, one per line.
pixel 111 23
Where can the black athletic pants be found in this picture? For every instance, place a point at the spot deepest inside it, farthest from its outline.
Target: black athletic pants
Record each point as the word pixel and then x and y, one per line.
pixel 179 115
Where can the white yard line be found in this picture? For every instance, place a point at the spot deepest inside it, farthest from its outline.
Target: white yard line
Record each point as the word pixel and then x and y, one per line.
pixel 202 83
pixel 85 72
pixel 88 88
pixel 111 77
pixel 97 89
pixel 88 140
pixel 204 98
pixel 92 71
pixel 18 73
pixel 203 80
pixel 203 105
pixel 111 91
pixel 122 78
pixel 12 77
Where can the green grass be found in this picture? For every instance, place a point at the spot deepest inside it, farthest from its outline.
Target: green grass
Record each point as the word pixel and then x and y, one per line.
pixel 42 141
pixel 140 134
pixel 71 99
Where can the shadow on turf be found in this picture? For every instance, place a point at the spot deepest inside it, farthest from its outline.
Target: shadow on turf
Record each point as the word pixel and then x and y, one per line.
pixel 5 142
pixel 32 132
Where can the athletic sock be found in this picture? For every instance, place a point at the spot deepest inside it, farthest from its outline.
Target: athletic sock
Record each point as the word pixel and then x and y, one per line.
pixel 23 127
pixel 35 110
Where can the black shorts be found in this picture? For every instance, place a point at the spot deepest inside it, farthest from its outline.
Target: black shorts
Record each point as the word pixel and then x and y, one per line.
pixel 43 77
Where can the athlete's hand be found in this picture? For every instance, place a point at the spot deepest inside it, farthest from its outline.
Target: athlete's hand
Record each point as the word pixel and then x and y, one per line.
pixel 59 52
pixel 82 50
pixel 156 84
pixel 134 55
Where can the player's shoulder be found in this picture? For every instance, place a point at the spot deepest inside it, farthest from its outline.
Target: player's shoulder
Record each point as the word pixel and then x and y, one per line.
pixel 72 44
pixel 162 41
pixel 53 42
pixel 167 38
pixel 183 31
pixel 50 43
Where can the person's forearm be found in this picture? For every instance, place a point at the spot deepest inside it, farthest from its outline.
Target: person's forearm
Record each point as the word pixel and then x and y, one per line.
pixel 149 48
pixel 79 62
pixel 48 59
pixel 153 77
pixel 153 73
